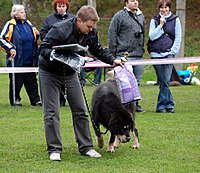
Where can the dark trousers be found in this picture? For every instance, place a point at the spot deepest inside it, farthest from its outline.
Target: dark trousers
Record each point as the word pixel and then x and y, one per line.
pixel 30 83
pixel 62 96
pixel 50 87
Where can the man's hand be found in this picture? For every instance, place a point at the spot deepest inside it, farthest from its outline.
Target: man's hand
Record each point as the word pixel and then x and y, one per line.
pixel 88 59
pixel 117 62
pixel 13 52
pixel 37 32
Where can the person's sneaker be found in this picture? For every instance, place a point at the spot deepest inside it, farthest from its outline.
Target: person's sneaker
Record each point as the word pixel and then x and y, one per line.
pixel 139 109
pixel 18 103
pixel 95 84
pixel 38 103
pixel 170 110
pixel 55 157
pixel 157 84
pixel 160 111
pixel 93 153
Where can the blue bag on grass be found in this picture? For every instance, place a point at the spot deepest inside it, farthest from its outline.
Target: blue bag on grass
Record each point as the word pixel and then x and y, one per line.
pixel 185 76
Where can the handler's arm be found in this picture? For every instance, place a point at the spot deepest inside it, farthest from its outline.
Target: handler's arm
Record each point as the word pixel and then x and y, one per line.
pixel 98 51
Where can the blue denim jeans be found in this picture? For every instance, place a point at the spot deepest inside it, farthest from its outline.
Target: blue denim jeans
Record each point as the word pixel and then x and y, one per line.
pixel 97 75
pixel 82 76
pixel 164 71
pixel 137 69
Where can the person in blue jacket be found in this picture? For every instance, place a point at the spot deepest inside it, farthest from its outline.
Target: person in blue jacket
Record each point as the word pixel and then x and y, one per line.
pixel 165 32
pixel 18 40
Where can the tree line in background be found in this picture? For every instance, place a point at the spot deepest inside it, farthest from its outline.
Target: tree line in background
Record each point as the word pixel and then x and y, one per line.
pixel 37 10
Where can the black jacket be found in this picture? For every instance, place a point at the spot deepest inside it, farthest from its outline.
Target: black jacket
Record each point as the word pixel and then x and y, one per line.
pixel 51 20
pixel 63 33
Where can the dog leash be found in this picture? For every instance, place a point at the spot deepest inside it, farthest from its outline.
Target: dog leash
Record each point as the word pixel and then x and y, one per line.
pixel 92 120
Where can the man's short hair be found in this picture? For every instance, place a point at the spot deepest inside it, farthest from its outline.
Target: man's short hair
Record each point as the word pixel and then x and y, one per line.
pixel 86 13
pixel 125 2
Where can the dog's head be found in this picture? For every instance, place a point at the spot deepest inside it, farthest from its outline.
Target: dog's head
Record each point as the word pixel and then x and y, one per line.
pixel 120 125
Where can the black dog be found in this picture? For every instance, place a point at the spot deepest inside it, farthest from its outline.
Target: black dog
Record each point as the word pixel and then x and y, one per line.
pixel 108 111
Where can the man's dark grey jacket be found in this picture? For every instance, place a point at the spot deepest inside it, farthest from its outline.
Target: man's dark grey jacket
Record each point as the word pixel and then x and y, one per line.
pixel 63 33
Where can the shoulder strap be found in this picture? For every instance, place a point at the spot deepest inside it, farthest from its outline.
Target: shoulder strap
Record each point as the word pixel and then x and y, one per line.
pixel 157 19
pixel 136 21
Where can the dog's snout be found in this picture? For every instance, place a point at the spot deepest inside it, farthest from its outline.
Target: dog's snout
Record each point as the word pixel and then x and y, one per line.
pixel 124 138
pixel 128 139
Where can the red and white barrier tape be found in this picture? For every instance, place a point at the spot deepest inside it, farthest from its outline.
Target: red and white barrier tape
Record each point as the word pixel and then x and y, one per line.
pixel 101 64
pixel 164 61
pixel 18 69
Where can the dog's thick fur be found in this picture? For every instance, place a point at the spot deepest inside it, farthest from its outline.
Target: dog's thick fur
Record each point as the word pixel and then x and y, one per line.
pixel 108 111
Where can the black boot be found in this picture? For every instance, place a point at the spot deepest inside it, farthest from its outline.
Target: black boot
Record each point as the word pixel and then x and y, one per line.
pixel 138 108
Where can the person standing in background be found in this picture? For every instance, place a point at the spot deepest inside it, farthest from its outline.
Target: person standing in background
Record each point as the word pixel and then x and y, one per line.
pixel 97 73
pixel 126 34
pixel 165 34
pixel 61 13
pixel 18 39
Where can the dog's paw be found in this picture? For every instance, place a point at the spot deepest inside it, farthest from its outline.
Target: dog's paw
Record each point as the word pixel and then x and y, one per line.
pixel 110 149
pixel 100 141
pixel 117 142
pixel 136 146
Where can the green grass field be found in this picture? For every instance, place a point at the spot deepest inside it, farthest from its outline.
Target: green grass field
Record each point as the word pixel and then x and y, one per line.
pixel 169 142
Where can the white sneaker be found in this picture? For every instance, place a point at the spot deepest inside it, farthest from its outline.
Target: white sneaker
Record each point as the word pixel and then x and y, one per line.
pixel 55 157
pixel 38 103
pixel 18 103
pixel 93 153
